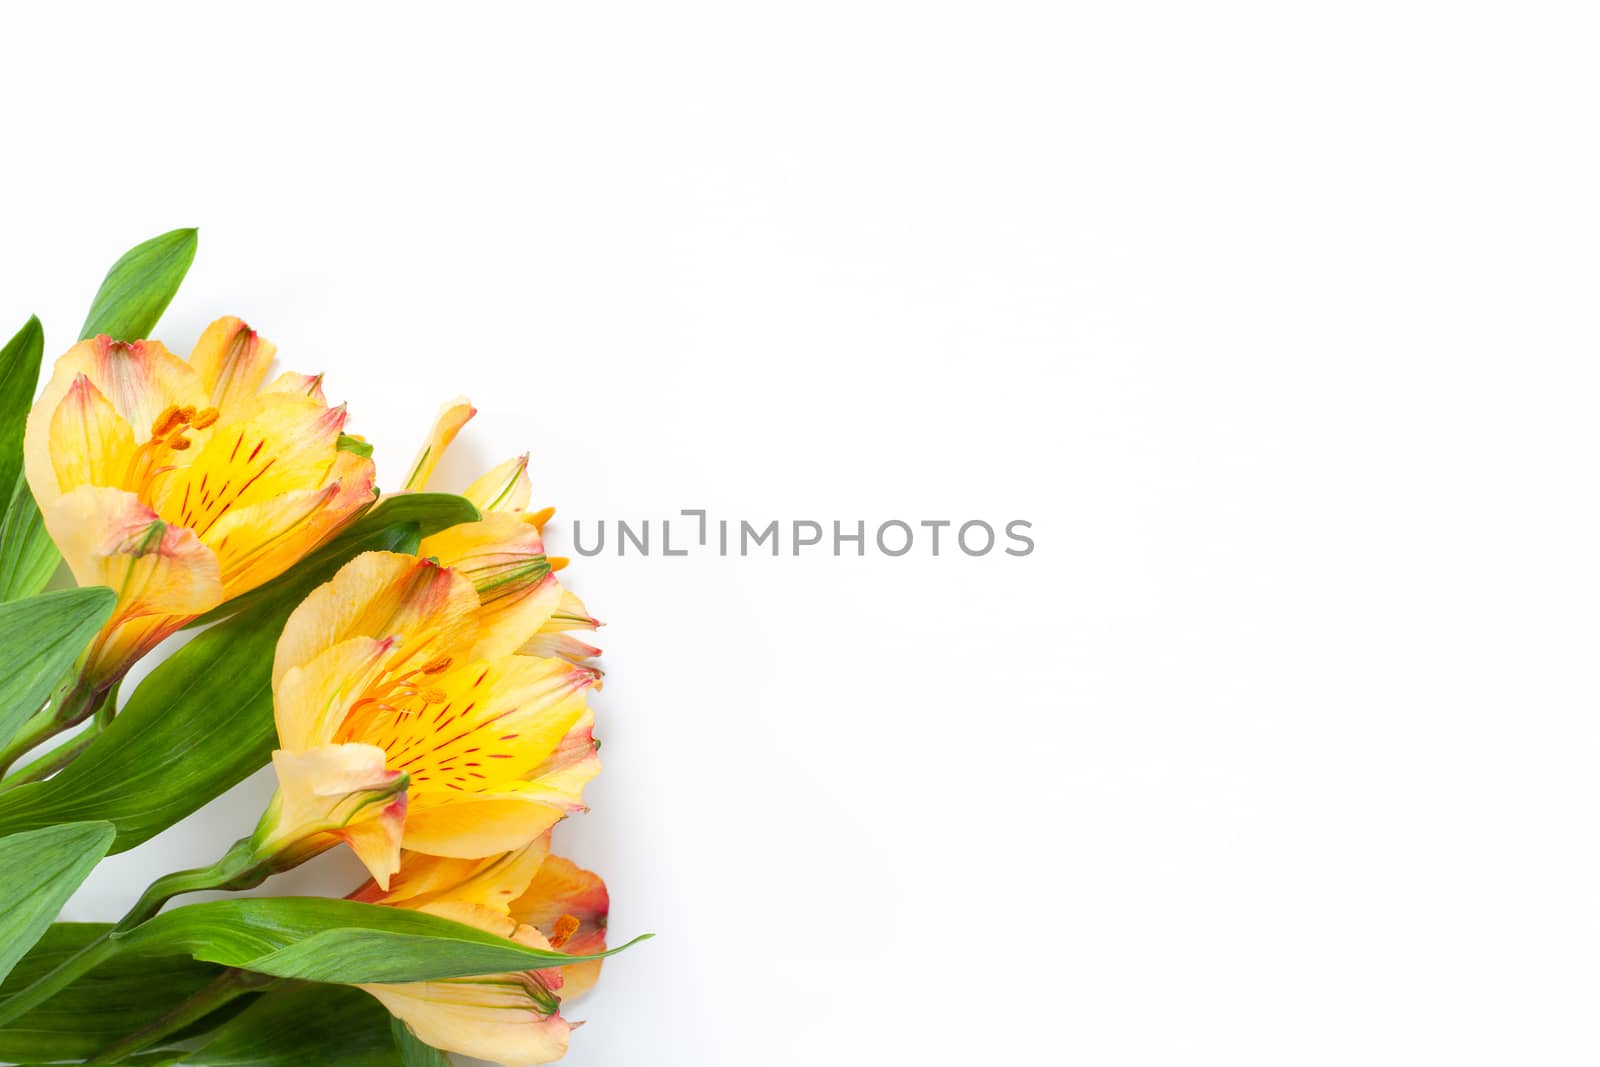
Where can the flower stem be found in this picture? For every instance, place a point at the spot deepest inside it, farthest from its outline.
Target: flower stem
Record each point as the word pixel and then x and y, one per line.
pixel 53 761
pixel 78 703
pixel 87 959
pixel 239 868
pixel 229 985
pixel 35 732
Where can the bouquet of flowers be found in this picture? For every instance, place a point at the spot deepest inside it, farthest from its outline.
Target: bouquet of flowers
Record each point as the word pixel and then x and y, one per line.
pixel 408 662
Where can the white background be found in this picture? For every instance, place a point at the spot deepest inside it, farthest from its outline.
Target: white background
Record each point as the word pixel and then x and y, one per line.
pixel 1276 320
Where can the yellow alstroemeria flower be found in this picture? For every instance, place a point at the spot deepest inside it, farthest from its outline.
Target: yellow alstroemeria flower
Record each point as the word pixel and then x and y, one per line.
pixel 503 554
pixel 528 895
pixel 181 484
pixel 394 667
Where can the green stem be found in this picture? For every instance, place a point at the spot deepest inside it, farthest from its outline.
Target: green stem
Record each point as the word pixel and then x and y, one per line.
pixel 35 732
pixel 85 960
pixel 58 758
pixel 75 705
pixel 239 868
pixel 229 985
pixel 55 760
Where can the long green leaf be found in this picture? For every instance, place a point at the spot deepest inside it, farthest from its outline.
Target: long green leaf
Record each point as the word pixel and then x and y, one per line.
pixel 19 375
pixel 28 557
pixel 316 939
pixel 428 512
pixel 39 639
pixel 38 872
pixel 118 997
pixel 303 1026
pixel 199 725
pixel 140 285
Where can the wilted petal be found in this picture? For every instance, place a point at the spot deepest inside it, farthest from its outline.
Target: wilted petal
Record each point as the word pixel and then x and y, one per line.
pixel 231 360
pixel 452 416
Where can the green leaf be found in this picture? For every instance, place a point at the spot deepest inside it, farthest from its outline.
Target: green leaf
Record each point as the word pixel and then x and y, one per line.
pixel 198 725
pixel 315 939
pixel 118 997
pixel 303 1026
pixel 428 512
pixel 39 639
pixel 140 285
pixel 19 375
pixel 38 872
pixel 28 558
pixel 349 443
pixel 417 1052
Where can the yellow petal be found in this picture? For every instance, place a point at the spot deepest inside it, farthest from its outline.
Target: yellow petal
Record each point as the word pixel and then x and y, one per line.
pixel 257 543
pixel 162 575
pixel 504 488
pixel 334 793
pixel 231 360
pixel 503 557
pixel 381 594
pixel 477 825
pixel 566 900
pixel 498 1018
pixel 90 444
pixel 311 700
pixel 555 638
pixel 279 444
pixel 452 416
pixel 141 381
pixel 299 384
pixel 490 882
pixel 109 538
pixel 559 780
pixel 478 727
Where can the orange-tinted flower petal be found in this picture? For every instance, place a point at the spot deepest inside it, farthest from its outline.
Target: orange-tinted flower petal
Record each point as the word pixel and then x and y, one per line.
pixel 336 793
pixel 504 488
pixel 452 416
pixel 569 906
pixel 492 881
pixel 162 574
pixel 503 557
pixel 382 594
pixel 90 444
pixel 231 360
pixel 308 385
pixel 278 444
pixel 141 381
